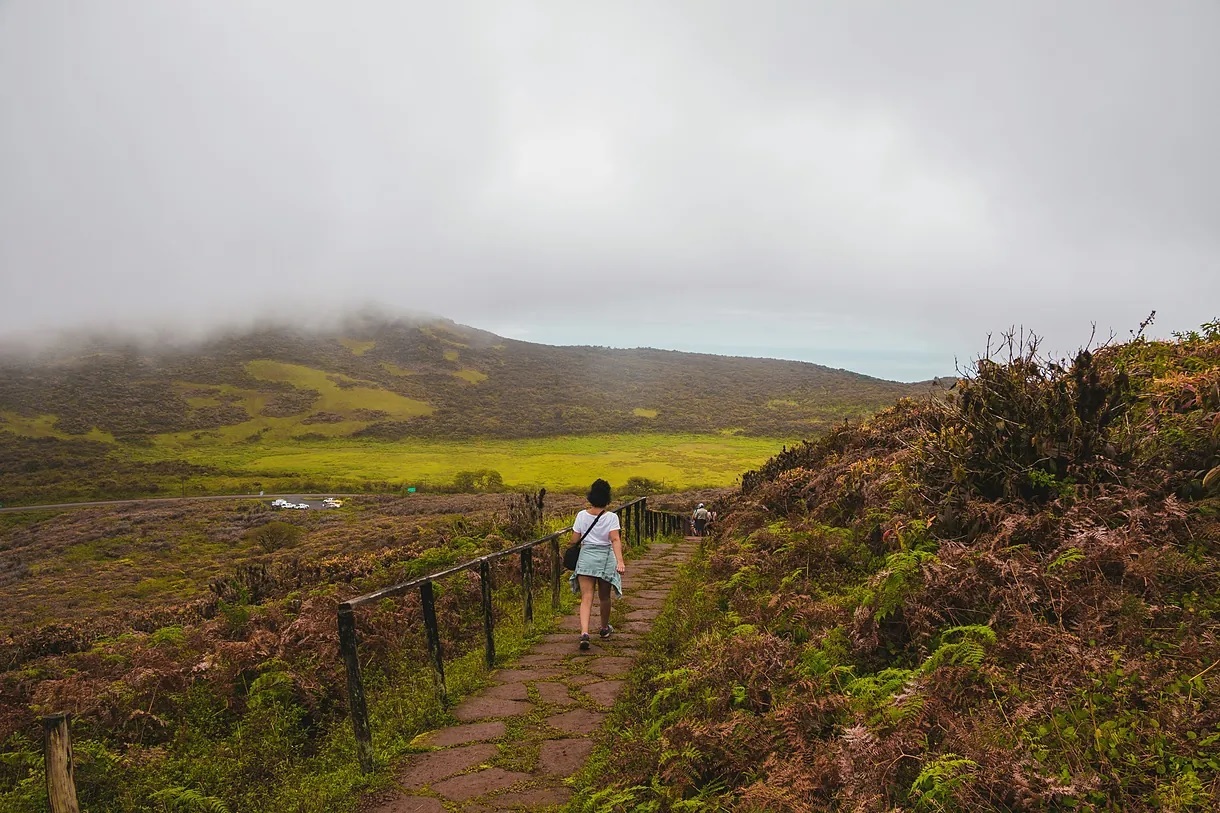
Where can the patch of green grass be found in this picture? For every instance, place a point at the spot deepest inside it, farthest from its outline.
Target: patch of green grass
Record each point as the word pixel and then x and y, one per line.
pixel 451 355
pixel 471 376
pixel 640 412
pixel 358 347
pixel 341 400
pixel 161 586
pixel 44 426
pixel 97 550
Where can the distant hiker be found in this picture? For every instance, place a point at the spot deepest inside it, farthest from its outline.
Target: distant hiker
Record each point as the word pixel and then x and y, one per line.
pixel 600 566
pixel 701 516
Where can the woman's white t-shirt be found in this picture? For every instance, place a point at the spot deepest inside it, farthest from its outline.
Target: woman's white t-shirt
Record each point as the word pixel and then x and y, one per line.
pixel 600 535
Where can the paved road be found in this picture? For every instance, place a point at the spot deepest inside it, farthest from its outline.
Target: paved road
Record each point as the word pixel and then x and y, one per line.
pixel 158 500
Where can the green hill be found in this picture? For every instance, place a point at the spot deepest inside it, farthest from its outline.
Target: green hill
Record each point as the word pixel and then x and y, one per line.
pixel 378 402
pixel 395 379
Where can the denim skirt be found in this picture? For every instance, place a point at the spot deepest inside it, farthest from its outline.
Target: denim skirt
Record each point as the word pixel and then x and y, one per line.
pixel 599 561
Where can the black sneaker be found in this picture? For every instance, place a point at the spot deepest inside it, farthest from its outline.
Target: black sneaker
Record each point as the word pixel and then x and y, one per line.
pixel 605 631
pixel 584 641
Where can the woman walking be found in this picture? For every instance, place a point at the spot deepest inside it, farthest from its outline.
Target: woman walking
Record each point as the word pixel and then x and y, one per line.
pixel 600 566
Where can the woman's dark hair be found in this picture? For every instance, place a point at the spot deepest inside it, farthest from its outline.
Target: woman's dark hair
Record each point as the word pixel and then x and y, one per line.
pixel 599 494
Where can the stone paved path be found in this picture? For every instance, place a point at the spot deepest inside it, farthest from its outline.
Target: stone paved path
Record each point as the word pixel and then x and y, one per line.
pixel 533 727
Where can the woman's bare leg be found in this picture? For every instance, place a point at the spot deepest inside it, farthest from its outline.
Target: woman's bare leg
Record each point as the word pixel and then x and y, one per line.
pixel 586 601
pixel 603 600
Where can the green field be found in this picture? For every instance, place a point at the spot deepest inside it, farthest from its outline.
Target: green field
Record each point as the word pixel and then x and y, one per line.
pixel 678 461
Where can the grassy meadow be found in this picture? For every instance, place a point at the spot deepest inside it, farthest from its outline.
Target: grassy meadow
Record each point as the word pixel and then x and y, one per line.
pixel 198 464
pixel 679 461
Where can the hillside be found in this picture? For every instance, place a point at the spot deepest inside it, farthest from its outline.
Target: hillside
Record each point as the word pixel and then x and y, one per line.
pixel 1006 601
pixel 381 404
pixel 396 379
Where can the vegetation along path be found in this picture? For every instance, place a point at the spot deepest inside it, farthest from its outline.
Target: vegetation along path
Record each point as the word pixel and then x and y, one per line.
pixel 518 739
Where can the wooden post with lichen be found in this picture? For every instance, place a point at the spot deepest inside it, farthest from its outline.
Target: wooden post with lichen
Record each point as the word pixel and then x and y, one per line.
pixel 527 584
pixel 489 623
pixel 556 573
pixel 57 756
pixel 428 600
pixel 358 707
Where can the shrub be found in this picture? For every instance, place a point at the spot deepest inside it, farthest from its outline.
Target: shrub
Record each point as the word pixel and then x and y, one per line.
pixel 481 480
pixel 274 535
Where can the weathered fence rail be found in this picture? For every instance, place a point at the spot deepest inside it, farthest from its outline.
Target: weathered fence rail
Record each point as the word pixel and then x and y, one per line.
pixel 638 522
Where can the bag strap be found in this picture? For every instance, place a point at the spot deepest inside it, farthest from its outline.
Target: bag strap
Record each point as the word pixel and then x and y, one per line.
pixel 586 533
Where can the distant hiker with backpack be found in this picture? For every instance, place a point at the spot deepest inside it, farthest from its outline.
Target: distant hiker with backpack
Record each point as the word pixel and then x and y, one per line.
pixel 600 564
pixel 700 516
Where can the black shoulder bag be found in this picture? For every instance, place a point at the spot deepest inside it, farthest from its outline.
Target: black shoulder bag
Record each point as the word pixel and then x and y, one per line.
pixel 572 554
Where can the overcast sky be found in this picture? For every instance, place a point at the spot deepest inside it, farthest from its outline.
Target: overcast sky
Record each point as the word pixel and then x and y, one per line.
pixel 866 185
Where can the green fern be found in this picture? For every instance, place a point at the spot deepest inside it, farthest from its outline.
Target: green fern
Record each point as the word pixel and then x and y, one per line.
pixel 885 683
pixel 960 646
pixel 1066 558
pixel 901 570
pixel 670 701
pixel 934 787
pixel 615 799
pixel 185 800
pixel 270 688
pixel 747 578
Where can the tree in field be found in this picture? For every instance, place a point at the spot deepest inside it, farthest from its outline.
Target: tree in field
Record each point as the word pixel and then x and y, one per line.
pixel 274 535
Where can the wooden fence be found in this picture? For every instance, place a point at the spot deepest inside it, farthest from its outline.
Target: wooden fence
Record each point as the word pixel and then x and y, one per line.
pixel 638 522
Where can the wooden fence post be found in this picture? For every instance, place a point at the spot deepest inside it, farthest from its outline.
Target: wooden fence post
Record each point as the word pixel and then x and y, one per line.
pixel 434 640
pixel 355 688
pixel 639 519
pixel 556 573
pixel 489 628
pixel 527 583
pixel 57 756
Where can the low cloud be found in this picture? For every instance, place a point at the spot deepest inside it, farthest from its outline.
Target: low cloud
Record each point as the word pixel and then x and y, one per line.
pixel 853 178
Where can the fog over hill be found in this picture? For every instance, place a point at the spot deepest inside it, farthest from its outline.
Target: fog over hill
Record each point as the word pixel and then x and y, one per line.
pixel 872 185
pixel 377 377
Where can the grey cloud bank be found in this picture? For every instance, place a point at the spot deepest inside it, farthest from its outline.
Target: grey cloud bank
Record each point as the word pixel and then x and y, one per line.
pixel 867 185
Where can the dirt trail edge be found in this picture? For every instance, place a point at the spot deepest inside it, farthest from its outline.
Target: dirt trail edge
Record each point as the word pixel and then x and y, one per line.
pixel 534 726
